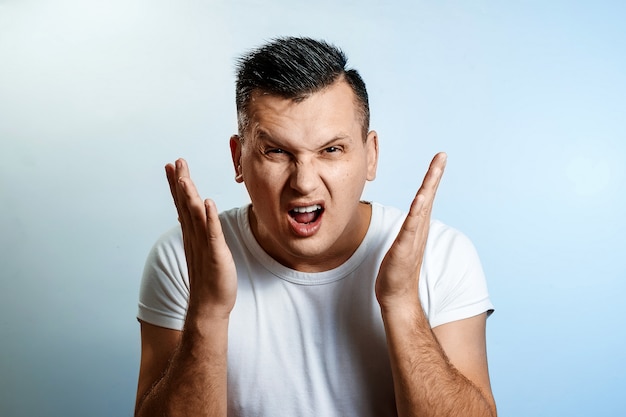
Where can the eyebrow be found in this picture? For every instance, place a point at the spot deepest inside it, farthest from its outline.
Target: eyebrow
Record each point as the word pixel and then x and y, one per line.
pixel 262 134
pixel 265 136
pixel 337 138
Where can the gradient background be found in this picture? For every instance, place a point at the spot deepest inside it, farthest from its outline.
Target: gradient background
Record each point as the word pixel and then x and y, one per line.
pixel 527 97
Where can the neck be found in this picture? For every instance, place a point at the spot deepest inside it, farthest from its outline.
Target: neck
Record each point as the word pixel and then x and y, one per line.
pixel 306 256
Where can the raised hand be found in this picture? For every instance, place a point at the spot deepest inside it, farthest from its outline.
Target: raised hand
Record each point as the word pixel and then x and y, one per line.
pixel 398 277
pixel 212 273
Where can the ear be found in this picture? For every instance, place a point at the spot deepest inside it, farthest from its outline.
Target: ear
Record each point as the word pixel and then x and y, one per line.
pixel 371 143
pixel 235 153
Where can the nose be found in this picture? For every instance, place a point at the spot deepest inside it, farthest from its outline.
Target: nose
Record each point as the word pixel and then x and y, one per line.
pixel 305 177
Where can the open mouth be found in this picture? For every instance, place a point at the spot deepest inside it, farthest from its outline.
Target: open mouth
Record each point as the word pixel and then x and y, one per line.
pixel 306 215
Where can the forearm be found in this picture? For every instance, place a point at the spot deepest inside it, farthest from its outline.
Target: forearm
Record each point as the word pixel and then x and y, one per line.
pixel 425 382
pixel 194 383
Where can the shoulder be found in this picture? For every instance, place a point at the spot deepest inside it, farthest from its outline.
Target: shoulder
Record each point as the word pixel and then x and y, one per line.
pixel 386 219
pixel 164 286
pixel 233 215
pixel 170 243
pixel 446 243
pixel 453 276
pixel 168 246
pixel 164 283
pixel 386 213
pixel 389 219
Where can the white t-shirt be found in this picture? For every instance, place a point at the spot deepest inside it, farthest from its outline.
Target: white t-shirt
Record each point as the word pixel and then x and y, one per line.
pixel 313 344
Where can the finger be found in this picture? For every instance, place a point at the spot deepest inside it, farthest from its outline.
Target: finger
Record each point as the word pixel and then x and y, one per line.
pixel 423 201
pixel 194 217
pixel 170 172
pixel 183 213
pixel 191 213
pixel 433 176
pixel 214 226
pixel 189 205
pixel 406 240
pixel 182 169
pixel 188 192
pixel 415 228
pixel 192 202
pixel 215 238
pixel 214 233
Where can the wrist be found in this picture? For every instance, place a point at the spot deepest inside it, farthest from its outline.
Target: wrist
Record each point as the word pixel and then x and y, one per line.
pixel 204 336
pixel 404 311
pixel 399 303
pixel 203 319
pixel 202 309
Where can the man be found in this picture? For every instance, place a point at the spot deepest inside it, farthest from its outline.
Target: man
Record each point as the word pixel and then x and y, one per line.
pixel 309 301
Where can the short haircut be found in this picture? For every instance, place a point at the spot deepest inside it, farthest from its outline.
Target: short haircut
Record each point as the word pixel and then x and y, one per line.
pixel 294 68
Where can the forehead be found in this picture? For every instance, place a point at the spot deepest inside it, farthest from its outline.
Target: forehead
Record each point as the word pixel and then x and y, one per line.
pixel 328 112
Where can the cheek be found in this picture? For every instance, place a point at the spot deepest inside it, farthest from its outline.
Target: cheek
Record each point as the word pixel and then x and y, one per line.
pixel 347 180
pixel 263 180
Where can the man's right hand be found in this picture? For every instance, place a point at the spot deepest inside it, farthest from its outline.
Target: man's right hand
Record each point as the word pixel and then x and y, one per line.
pixel 212 273
pixel 184 373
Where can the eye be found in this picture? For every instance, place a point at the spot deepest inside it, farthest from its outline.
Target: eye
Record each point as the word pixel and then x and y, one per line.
pixel 276 154
pixel 274 151
pixel 333 150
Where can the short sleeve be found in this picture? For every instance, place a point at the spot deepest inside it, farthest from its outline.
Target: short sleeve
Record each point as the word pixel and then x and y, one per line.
pixel 164 290
pixel 457 288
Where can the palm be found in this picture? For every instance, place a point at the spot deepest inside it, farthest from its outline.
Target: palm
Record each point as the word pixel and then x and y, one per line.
pixel 398 277
pixel 212 273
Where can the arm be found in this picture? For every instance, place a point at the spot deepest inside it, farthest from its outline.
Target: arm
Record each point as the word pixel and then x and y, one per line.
pixel 158 345
pixel 436 372
pixel 439 379
pixel 184 373
pixel 181 373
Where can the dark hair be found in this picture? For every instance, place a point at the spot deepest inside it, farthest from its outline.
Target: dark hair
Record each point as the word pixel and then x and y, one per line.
pixel 294 68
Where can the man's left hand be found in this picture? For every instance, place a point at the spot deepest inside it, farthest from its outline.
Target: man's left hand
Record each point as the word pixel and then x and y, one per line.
pixel 398 277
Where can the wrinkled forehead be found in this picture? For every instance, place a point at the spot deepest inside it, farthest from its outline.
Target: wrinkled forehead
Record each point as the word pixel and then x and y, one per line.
pixel 332 107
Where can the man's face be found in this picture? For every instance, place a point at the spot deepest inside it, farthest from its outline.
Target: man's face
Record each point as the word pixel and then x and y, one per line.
pixel 305 165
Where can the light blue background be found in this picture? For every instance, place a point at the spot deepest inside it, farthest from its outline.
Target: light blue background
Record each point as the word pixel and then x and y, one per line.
pixel 527 97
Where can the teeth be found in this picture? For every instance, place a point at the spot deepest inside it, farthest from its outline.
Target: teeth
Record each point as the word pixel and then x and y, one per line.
pixel 307 209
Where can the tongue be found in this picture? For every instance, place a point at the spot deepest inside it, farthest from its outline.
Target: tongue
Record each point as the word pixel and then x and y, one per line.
pixel 304 217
